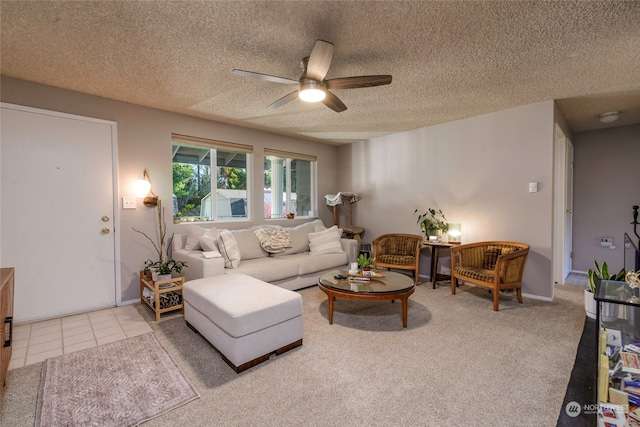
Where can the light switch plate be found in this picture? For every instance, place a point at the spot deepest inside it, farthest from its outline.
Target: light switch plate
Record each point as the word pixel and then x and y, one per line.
pixel 533 187
pixel 128 203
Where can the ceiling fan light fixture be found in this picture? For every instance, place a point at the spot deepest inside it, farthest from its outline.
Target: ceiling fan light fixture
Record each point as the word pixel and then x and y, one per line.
pixel 311 91
pixel 609 116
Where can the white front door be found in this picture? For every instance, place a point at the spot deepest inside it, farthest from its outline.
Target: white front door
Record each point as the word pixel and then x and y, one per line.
pixel 57 211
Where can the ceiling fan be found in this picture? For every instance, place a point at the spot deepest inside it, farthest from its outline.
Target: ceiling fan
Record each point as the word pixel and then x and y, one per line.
pixel 312 87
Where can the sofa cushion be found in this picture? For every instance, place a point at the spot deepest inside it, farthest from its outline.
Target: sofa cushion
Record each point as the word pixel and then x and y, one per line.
pixel 396 259
pixel 299 238
pixel 509 250
pixel 248 244
pixel 318 225
pixel 309 263
pixel 229 249
pixel 208 243
pixel 326 242
pixel 490 257
pixel 481 274
pixel 194 232
pixel 269 269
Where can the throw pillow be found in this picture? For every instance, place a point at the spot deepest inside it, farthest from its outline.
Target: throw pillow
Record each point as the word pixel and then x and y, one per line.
pixel 299 238
pixel 509 250
pixel 490 257
pixel 208 243
pixel 326 242
pixel 194 233
pixel 229 249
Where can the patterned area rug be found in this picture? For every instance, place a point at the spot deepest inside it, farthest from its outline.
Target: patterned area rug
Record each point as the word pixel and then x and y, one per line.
pixel 119 384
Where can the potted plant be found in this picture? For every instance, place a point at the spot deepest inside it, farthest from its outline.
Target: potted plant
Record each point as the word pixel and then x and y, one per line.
pixel 432 222
pixel 163 268
pixel 365 262
pixel 609 311
pixel 166 268
pixel 291 215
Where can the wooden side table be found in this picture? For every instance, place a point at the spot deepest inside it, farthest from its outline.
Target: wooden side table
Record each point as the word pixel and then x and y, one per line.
pixel 435 254
pixel 156 286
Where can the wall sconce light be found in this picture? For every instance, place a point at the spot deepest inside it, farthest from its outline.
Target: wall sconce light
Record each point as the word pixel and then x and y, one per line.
pixel 454 233
pixel 142 189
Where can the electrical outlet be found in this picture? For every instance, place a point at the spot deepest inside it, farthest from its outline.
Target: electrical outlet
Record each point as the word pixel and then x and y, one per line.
pixel 606 242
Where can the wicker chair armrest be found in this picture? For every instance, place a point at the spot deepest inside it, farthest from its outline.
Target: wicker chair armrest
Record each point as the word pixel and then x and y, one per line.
pixel 510 267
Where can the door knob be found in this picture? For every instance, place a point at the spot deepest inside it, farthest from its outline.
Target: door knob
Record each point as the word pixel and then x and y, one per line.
pixel 105 230
pixel 105 219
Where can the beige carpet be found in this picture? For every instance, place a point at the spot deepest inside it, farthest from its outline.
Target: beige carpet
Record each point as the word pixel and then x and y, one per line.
pixel 458 363
pixel 118 384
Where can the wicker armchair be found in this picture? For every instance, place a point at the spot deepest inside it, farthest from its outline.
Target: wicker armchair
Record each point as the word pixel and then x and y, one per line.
pixel 398 251
pixel 494 265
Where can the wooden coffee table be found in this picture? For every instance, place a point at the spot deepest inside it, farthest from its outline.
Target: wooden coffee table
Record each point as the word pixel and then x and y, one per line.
pixel 391 287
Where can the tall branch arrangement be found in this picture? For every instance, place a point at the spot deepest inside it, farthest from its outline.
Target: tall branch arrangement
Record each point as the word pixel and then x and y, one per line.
pixel 162 228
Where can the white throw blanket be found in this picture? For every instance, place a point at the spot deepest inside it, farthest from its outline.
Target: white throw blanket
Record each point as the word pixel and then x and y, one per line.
pixel 336 199
pixel 273 238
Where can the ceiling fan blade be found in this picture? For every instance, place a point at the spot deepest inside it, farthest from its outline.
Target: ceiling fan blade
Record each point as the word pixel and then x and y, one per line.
pixel 280 102
pixel 358 81
pixel 266 77
pixel 320 60
pixel 334 102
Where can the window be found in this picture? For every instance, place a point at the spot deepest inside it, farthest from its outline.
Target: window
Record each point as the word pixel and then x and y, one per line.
pixel 289 184
pixel 199 162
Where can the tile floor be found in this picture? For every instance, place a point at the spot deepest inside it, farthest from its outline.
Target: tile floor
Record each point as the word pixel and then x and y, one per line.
pixel 35 342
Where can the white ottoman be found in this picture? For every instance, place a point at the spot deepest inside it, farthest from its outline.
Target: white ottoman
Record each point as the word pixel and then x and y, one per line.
pixel 244 318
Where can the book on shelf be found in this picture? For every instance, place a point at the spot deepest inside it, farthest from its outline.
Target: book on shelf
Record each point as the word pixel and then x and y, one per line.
pixel 631 362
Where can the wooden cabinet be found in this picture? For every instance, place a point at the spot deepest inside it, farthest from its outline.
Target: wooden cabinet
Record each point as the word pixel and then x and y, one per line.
pixel 160 289
pixel 6 319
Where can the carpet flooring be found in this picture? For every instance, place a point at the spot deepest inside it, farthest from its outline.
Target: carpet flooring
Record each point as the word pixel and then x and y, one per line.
pixel 458 363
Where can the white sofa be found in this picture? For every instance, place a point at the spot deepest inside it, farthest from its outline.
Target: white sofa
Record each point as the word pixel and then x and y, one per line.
pixel 314 250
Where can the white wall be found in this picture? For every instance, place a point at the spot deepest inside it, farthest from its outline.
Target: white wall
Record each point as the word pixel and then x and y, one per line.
pixel 607 187
pixel 144 141
pixel 476 170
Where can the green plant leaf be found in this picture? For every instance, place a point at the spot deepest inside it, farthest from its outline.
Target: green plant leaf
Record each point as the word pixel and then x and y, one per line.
pixel 605 271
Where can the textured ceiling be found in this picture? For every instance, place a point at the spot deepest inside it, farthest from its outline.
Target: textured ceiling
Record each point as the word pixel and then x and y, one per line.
pixel 449 60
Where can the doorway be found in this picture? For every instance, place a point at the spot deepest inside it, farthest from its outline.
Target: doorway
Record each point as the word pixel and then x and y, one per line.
pixel 58 214
pixel 563 207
